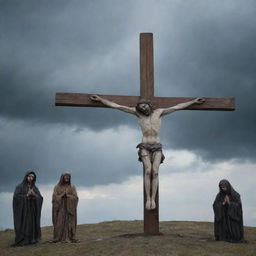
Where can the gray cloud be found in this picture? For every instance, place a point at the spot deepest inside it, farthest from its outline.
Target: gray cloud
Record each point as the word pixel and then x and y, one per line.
pixel 201 49
pixel 91 157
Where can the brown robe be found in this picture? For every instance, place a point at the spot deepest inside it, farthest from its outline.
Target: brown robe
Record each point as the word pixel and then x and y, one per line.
pixel 64 211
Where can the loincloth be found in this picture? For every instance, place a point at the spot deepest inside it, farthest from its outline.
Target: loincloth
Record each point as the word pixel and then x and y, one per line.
pixel 152 149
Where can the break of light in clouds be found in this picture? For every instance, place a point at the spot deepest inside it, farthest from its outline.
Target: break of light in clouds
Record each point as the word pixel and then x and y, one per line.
pixel 183 195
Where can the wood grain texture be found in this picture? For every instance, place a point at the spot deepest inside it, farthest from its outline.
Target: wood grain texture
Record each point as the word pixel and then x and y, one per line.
pixel 151 218
pixel 83 100
pixel 222 104
pixel 146 66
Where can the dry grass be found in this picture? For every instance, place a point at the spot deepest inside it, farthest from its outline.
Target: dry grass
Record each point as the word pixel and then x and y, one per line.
pixel 124 238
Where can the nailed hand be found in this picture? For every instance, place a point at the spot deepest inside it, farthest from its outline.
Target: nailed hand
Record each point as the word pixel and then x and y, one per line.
pixel 95 97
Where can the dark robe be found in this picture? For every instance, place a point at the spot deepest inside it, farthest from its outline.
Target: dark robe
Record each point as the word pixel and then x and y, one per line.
pixel 64 211
pixel 228 218
pixel 27 213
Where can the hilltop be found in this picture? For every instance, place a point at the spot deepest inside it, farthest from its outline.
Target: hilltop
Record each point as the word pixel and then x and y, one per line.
pixel 125 238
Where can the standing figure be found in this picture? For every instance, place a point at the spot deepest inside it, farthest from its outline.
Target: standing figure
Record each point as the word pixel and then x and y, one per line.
pixel 228 214
pixel 64 206
pixel 150 148
pixel 27 205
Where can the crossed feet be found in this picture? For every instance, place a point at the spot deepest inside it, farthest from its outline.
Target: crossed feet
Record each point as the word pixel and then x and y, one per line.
pixel 150 204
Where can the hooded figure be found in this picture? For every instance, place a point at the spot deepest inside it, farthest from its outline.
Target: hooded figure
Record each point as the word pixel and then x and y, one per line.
pixel 64 205
pixel 228 214
pixel 27 204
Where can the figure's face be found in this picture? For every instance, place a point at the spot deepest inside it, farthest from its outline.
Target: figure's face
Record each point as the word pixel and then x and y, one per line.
pixel 66 178
pixel 144 108
pixel 223 188
pixel 30 178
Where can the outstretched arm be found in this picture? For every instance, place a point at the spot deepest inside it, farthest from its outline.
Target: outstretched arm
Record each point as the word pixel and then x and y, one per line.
pixel 111 104
pixel 181 106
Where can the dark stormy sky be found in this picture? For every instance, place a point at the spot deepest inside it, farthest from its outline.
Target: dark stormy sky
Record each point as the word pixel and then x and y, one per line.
pixel 201 49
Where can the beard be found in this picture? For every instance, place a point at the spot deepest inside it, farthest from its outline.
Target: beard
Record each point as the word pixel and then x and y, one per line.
pixel 145 112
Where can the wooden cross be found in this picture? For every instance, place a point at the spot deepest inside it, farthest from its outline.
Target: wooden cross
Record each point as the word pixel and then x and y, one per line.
pixel 151 217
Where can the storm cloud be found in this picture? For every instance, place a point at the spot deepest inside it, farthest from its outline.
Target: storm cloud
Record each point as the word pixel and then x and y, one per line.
pixel 201 49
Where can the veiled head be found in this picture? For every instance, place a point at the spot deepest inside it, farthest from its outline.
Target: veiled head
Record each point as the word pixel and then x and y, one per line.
pixel 30 178
pixel 65 178
pixel 224 186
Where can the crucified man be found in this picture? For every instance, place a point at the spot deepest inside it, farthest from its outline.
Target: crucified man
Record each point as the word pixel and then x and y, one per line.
pixel 150 149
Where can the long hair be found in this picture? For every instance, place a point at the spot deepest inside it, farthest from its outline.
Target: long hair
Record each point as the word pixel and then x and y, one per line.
pixel 144 101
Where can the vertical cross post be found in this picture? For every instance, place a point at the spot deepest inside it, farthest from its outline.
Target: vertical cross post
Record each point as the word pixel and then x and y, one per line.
pixel 146 66
pixel 151 217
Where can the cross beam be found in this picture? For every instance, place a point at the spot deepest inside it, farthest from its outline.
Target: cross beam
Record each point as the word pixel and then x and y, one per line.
pixel 151 218
pixel 83 100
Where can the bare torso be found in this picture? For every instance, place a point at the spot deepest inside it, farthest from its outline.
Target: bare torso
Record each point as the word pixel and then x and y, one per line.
pixel 150 127
pixel 150 124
